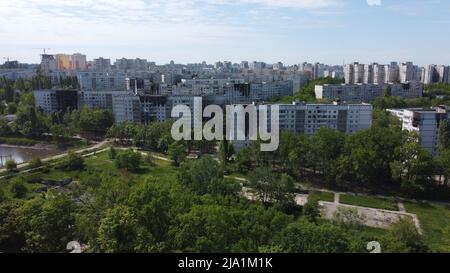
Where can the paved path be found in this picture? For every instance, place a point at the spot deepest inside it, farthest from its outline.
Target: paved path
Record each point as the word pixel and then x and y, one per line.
pixel 371 217
pixel 337 197
pixel 401 206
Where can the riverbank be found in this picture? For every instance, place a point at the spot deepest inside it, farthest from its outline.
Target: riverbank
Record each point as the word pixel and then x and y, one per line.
pixel 37 146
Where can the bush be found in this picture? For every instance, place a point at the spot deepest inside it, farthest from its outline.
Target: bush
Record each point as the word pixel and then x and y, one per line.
pixel 128 160
pixel 18 189
pixel 74 162
pixel 112 153
pixel 311 211
pixel 2 195
pixel 177 153
pixel 11 165
pixel 35 163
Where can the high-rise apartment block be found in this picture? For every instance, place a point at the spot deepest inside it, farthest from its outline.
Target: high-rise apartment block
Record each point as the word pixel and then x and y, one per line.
pixel 425 122
pixel 368 92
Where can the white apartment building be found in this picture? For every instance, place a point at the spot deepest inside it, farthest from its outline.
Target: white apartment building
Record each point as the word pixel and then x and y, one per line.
pixel 101 81
pixel 409 72
pixel 436 74
pixel 102 64
pixel 309 118
pixel 425 122
pixel 378 73
pixel 367 92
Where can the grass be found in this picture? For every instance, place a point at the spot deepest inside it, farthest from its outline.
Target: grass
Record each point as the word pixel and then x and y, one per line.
pixel 321 196
pixel 159 169
pixel 368 201
pixel 435 223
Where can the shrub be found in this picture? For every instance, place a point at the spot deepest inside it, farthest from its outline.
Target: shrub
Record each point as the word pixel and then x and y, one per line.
pixel 128 160
pixel 18 189
pixel 311 211
pixel 73 162
pixel 35 163
pixel 11 165
pixel 112 153
pixel 2 195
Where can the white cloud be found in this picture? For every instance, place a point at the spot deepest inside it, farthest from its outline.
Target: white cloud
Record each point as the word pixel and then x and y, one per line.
pixel 303 4
pixel 374 2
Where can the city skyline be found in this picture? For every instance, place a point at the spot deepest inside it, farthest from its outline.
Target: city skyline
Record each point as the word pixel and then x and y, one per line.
pixel 326 31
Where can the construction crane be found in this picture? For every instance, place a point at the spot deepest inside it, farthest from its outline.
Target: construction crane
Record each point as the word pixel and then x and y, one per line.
pixel 44 49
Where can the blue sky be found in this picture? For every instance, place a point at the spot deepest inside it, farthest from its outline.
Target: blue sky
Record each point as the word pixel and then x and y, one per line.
pixel 291 31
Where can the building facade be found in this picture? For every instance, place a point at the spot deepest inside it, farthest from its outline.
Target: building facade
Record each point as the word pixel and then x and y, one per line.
pixel 425 122
pixel 367 92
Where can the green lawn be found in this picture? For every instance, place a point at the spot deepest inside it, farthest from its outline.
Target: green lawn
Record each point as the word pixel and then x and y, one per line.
pixel 435 223
pixel 368 201
pixel 160 170
pixel 321 196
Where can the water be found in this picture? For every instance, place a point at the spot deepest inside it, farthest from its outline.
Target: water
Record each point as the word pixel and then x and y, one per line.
pixel 23 154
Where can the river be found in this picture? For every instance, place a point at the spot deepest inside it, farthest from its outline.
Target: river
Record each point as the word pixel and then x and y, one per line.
pixel 24 154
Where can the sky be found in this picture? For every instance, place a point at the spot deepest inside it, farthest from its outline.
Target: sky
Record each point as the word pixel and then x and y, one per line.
pixel 188 31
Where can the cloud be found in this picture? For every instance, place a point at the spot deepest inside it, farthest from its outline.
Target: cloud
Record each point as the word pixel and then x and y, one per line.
pixel 374 2
pixel 302 4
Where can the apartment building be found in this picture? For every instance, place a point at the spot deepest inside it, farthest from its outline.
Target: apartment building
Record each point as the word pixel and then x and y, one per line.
pixel 101 64
pixel 425 122
pixel 367 92
pixel 78 62
pixel 63 61
pixel 101 81
pixel 309 118
pixel 53 100
pixel 436 74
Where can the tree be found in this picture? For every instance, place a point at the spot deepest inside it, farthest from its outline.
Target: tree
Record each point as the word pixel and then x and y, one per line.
pixel 73 162
pixel 268 187
pixel 367 157
pixel 244 159
pixel 164 143
pixel 444 135
pixel 387 91
pixel 31 121
pixel 226 151
pixel 47 224
pixel 311 211
pixel 404 238
pixel 60 134
pixel 5 130
pixel 155 208
pixel 327 146
pixel 128 160
pixel 231 227
pixel 11 239
pixel 414 169
pixel 119 230
pixel 95 122
pixel 12 108
pixel 112 153
pixel 177 153
pixel 306 237
pixel 11 165
pixel 204 176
